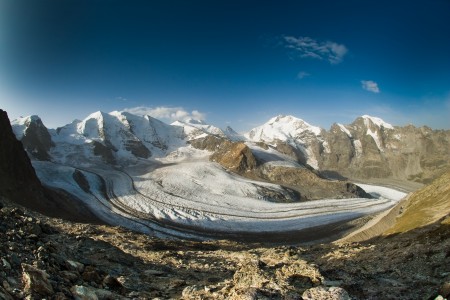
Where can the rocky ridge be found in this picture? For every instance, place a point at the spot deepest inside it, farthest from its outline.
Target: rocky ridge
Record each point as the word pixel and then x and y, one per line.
pixel 367 148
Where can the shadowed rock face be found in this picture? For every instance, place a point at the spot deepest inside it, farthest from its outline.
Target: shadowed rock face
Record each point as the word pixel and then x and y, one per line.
pixel 37 140
pixel 107 153
pixel 17 177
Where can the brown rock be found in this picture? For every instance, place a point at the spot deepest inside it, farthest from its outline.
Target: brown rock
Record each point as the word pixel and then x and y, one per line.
pixel 444 291
pixel 5 295
pixel 332 293
pixel 36 281
pixel 90 274
pixel 235 156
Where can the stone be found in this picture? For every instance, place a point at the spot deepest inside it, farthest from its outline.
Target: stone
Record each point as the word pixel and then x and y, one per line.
pixel 36 280
pixel 69 275
pixel 332 293
pixel 4 295
pixel 5 264
pixel 34 229
pixel 445 290
pixel 74 266
pixel 80 292
pixel 112 282
pixel 59 296
pixel 154 272
pixel 191 291
pixel 91 274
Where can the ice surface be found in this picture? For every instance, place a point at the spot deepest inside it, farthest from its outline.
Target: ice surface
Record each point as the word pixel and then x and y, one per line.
pixel 202 195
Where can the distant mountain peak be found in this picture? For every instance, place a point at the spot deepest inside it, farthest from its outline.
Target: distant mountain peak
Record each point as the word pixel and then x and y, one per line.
pixel 376 121
pixel 21 124
pixel 283 127
pixel 194 121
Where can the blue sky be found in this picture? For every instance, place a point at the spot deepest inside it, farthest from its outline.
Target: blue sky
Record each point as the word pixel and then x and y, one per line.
pixel 232 63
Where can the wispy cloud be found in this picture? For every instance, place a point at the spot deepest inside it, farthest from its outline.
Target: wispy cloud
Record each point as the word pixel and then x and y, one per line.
pixel 167 113
pixel 302 75
pixel 307 47
pixel 370 86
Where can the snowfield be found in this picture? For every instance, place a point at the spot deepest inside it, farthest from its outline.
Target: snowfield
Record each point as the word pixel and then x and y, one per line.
pixel 200 199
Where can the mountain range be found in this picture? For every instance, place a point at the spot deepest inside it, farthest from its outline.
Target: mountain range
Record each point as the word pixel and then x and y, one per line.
pixel 51 258
pixel 366 148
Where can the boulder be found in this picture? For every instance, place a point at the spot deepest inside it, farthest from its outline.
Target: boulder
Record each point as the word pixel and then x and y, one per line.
pixel 36 281
pixel 332 293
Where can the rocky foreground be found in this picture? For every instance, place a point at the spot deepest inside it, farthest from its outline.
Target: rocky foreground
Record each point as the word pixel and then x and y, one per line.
pixel 49 258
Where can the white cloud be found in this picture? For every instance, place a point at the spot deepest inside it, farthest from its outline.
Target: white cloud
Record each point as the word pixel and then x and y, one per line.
pixel 302 75
pixel 307 47
pixel 166 113
pixel 370 86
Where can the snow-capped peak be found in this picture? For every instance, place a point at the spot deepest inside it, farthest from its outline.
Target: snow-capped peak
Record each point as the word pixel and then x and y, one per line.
pixel 21 124
pixel 377 121
pixel 194 129
pixel 232 134
pixel 92 125
pixel 282 128
pixel 194 121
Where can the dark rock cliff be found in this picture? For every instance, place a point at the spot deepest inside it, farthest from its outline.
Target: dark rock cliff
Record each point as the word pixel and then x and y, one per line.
pixel 18 179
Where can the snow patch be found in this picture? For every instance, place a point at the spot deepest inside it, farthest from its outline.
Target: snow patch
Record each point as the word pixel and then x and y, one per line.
pixel 377 121
pixel 344 129
pixel 358 147
pixel 375 137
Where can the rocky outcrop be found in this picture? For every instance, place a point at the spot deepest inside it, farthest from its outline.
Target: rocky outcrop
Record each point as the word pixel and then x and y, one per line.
pixel 210 143
pixel 236 157
pixel 309 184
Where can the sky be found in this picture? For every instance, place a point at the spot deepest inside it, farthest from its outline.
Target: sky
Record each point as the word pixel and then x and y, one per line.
pixel 229 63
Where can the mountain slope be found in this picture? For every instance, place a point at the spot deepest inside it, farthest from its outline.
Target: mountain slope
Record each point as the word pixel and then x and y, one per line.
pixel 426 206
pixel 371 148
